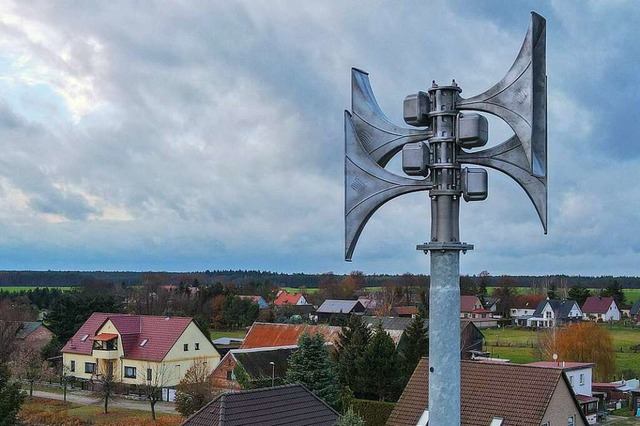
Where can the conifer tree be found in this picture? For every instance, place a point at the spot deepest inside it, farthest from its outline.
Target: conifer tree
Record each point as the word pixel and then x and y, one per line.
pixel 417 345
pixel 353 338
pixel 311 366
pixel 381 367
pixel 11 397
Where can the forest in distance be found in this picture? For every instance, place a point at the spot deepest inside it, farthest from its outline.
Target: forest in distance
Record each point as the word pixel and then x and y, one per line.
pixel 239 277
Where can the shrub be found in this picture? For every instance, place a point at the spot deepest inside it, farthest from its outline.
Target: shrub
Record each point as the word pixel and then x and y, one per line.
pixel 374 413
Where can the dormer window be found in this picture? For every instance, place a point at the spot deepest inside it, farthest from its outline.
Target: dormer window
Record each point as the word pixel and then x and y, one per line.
pixel 144 342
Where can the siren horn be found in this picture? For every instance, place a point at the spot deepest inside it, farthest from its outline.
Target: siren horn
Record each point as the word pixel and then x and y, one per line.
pixel 367 185
pixel 520 99
pixel 380 138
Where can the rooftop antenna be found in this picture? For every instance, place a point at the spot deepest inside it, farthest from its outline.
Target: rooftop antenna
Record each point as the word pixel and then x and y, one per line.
pixel 444 137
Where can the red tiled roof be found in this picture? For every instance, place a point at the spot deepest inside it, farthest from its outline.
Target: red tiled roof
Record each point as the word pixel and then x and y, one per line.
pixel 520 394
pixel 468 303
pixel 263 335
pixel 287 298
pixel 104 337
pixel 597 305
pixel 160 332
pixel 528 301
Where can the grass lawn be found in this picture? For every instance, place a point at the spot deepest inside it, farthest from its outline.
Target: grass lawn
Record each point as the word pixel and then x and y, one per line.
pixel 507 342
pixel 53 412
pixel 236 334
pixel 16 289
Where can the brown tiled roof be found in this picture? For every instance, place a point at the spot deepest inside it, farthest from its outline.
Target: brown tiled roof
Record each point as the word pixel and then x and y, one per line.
pixel 517 393
pixel 263 335
pixel 597 305
pixel 290 405
pixel 406 310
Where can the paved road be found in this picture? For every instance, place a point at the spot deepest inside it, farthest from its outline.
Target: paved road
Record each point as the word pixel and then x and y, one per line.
pixel 161 407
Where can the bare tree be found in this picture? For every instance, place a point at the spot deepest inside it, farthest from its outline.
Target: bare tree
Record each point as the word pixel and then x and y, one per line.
pixel 106 380
pixel 12 315
pixel 28 364
pixel 195 389
pixel 152 380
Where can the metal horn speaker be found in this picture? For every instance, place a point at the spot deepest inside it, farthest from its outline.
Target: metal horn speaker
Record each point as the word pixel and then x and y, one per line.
pixel 367 185
pixel 380 138
pixel 520 99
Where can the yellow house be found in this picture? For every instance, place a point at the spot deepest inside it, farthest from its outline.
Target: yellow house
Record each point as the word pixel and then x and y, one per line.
pixel 137 349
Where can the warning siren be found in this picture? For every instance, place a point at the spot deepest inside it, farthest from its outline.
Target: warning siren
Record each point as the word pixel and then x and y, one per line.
pixel 371 140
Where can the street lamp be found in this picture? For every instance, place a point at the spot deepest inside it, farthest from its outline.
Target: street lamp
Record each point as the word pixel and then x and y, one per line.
pixel 433 155
pixel 273 373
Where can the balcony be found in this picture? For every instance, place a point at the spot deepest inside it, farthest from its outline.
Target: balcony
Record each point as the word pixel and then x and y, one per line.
pixel 105 346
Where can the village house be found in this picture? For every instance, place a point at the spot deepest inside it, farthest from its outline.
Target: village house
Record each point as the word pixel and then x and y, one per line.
pixel 332 308
pixel 471 309
pixel 267 335
pixel 264 365
pixel 259 300
pixel 580 375
pixel 523 308
pixel 600 309
pixel 405 311
pixel 33 335
pixel 551 313
pixel 393 326
pixel 285 298
pixel 634 311
pixel 136 349
pixel 496 394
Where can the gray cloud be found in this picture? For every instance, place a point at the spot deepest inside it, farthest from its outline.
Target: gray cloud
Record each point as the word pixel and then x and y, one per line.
pixel 182 136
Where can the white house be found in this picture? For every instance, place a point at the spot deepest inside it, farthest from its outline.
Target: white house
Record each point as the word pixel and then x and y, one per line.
pixel 597 308
pixel 550 313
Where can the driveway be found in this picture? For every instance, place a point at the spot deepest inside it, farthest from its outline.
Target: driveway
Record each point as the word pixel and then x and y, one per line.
pixel 84 399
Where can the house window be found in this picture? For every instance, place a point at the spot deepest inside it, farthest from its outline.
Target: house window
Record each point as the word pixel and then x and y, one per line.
pixel 197 346
pixel 229 375
pixel 84 338
pixel 186 347
pixel 571 421
pixel 130 372
pixel 90 367
pixel 149 374
pixel 72 366
pixel 582 379
pixel 144 342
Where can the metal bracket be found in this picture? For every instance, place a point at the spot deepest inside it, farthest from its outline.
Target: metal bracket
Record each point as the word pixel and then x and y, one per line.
pixel 426 247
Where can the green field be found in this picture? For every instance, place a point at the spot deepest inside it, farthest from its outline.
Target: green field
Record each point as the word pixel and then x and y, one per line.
pixel 236 334
pixel 16 289
pixel 517 345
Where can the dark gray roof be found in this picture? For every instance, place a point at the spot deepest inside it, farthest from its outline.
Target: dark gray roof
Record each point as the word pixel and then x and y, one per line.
pixel 635 308
pixel 339 306
pixel 28 328
pixel 290 405
pixel 388 323
pixel 257 361
pixel 560 307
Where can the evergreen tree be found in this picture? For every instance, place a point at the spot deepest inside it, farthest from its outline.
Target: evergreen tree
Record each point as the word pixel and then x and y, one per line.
pixel 552 294
pixel 417 345
pixel 615 290
pixel 381 367
pixel 579 294
pixel 311 366
pixel 11 397
pixel 350 346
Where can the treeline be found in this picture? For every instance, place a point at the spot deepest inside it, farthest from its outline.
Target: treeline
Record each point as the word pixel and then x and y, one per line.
pixel 242 277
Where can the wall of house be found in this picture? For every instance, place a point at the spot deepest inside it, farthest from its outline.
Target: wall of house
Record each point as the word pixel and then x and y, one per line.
pixel 561 406
pixel 580 387
pixel 219 376
pixel 37 339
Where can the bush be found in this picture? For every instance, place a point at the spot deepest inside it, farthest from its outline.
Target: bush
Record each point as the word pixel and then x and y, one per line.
pixel 374 413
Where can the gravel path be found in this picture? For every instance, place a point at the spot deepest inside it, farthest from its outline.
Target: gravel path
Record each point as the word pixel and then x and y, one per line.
pixel 161 407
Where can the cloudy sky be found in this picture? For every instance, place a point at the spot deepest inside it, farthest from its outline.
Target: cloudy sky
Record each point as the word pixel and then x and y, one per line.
pixel 193 135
